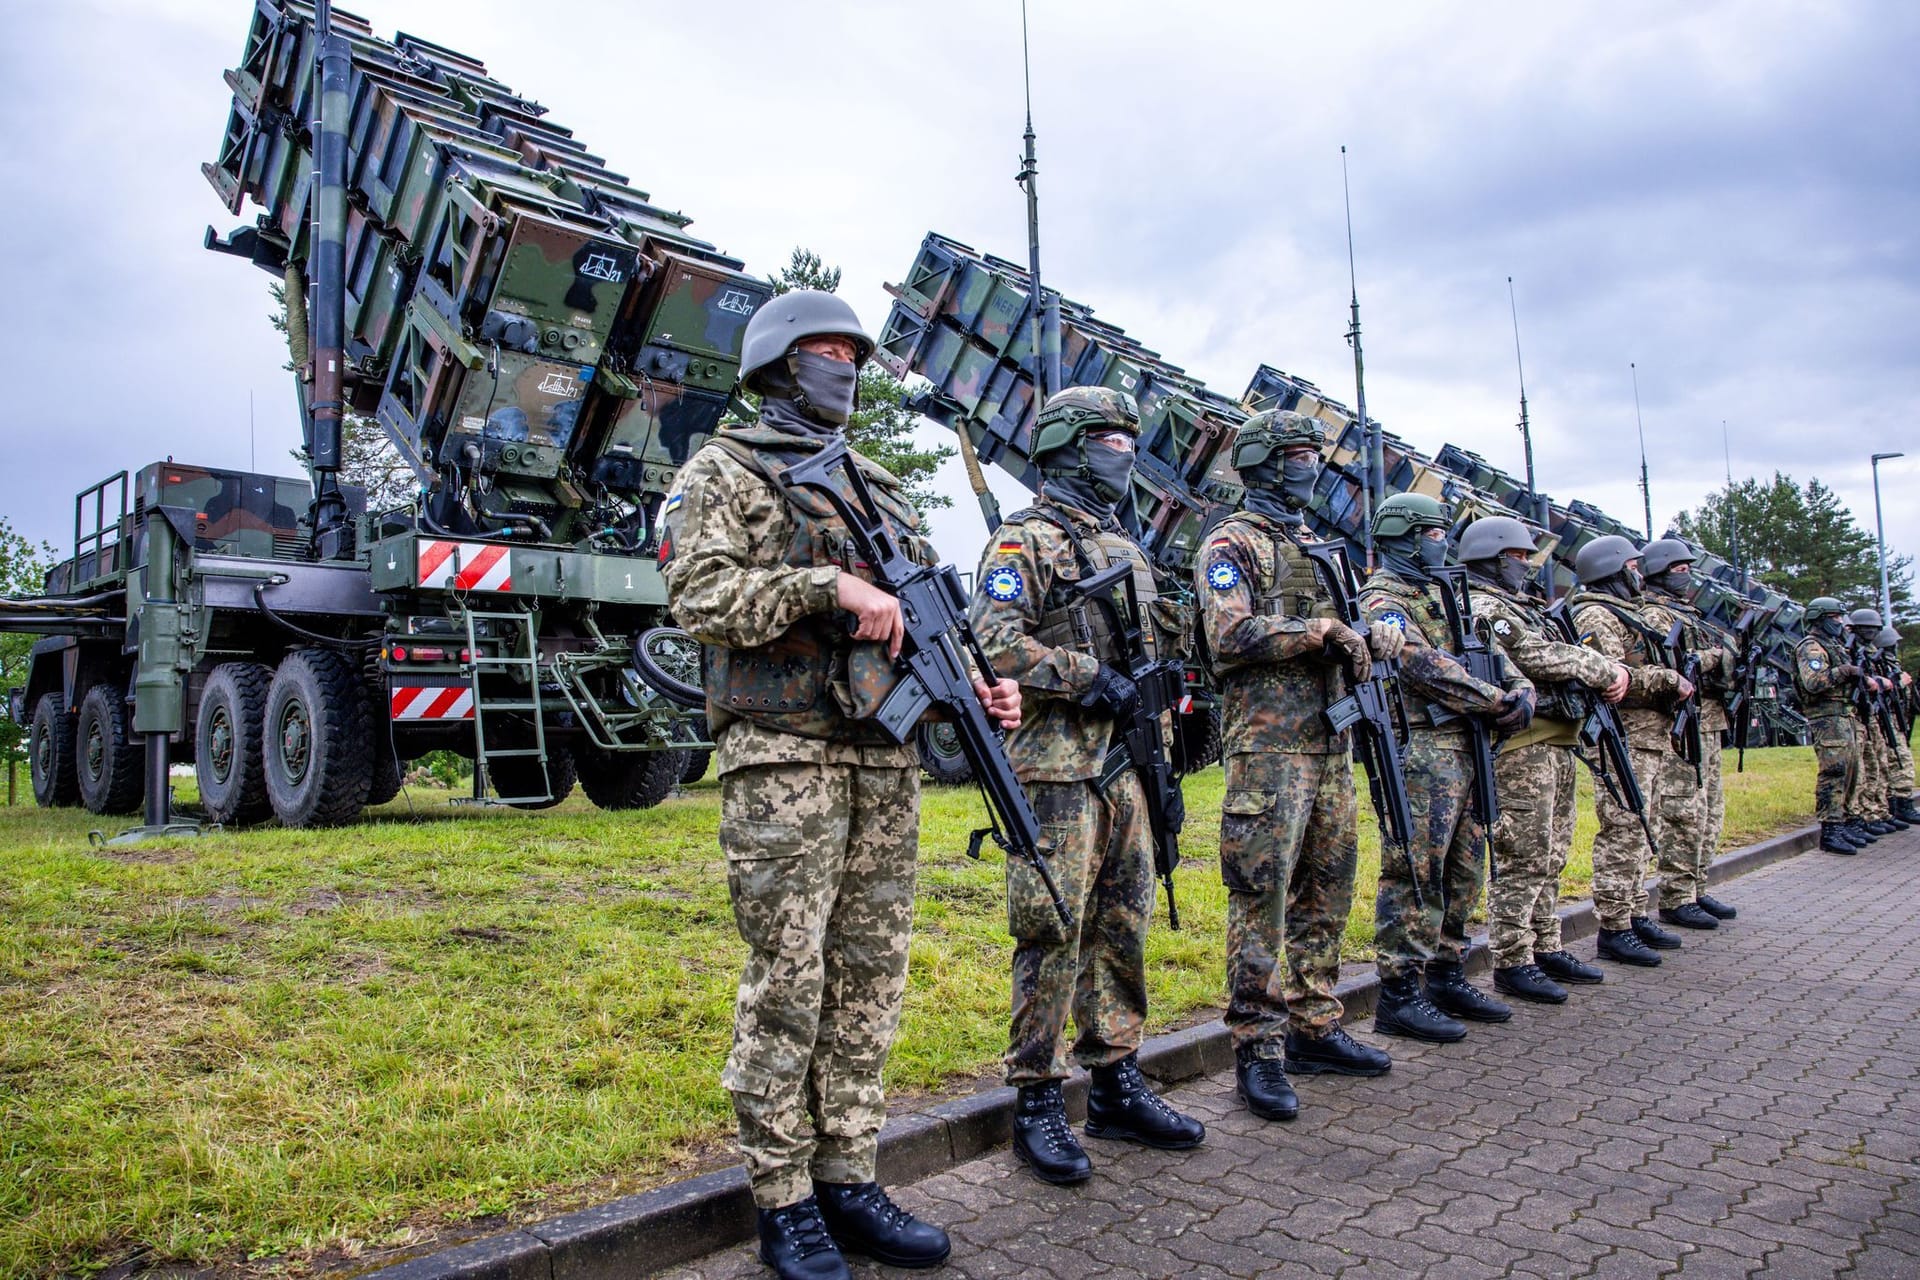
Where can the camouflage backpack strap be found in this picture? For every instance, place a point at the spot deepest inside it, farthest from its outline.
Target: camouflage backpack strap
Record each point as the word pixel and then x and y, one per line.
pixel 1655 645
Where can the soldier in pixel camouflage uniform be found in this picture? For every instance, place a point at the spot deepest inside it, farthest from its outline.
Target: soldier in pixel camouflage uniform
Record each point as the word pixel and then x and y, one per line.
pixel 1446 855
pixel 1059 649
pixel 1684 900
pixel 1824 679
pixel 1288 830
pixel 1609 609
pixel 1876 752
pixel 1534 769
pixel 1900 788
pixel 819 807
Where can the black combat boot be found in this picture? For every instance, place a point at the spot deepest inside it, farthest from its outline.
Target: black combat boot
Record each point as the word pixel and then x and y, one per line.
pixel 1690 915
pixel 1893 818
pixel 1564 966
pixel 1908 809
pixel 1404 1010
pixel 1654 936
pixel 1834 839
pixel 862 1219
pixel 1120 1105
pixel 1881 827
pixel 795 1243
pixel 1450 992
pixel 1337 1052
pixel 1858 833
pixel 1042 1138
pixel 1716 908
pixel 1527 982
pixel 1624 945
pixel 1263 1085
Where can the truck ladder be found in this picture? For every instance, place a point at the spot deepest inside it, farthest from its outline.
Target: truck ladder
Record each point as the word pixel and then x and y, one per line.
pixel 521 655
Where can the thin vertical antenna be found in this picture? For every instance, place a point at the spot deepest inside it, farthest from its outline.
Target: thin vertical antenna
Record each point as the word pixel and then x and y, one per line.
pixel 253 463
pixel 1733 526
pixel 1374 491
pixel 1646 492
pixel 1046 377
pixel 1526 427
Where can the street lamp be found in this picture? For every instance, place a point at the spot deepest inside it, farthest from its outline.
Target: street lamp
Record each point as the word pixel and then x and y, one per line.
pixel 1880 538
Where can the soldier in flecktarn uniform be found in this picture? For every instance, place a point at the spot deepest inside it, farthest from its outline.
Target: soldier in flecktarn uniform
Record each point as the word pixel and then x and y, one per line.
pixel 819 807
pixel 1824 678
pixel 1684 900
pixel 1035 629
pixel 1288 829
pixel 1534 769
pixel 1446 858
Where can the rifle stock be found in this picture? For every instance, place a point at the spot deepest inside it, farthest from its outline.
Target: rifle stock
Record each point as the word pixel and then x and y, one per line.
pixel 1603 739
pixel 1684 732
pixel 1483 664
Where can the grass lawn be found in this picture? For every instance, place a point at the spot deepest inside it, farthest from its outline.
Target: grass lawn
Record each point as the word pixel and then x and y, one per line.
pixel 273 1045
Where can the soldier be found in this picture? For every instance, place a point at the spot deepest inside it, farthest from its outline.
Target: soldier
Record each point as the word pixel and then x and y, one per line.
pixel 1824 678
pixel 1061 652
pixel 1609 610
pixel 1684 859
pixel 1445 854
pixel 1876 752
pixel 1900 789
pixel 819 807
pixel 1288 829
pixel 1534 769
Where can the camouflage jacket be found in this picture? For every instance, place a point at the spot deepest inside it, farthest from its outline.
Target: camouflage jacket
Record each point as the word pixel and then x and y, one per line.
pixel 1603 624
pixel 1823 691
pixel 755 579
pixel 1428 669
pixel 1717 658
pixel 1257 593
pixel 1017 612
pixel 1520 626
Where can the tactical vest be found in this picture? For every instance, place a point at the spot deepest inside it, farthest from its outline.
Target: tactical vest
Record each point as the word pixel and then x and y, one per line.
pixel 1646 648
pixel 1832 701
pixel 1555 700
pixel 1078 624
pixel 814 680
pixel 1294 592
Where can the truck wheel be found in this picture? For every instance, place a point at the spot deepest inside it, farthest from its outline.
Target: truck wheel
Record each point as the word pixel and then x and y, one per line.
pixel 521 776
pixel 941 756
pixel 229 760
pixel 698 758
pixel 629 779
pixel 108 755
pixel 319 757
pixel 388 775
pixel 50 753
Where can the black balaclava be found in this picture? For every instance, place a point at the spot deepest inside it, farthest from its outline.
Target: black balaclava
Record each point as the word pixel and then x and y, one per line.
pixel 789 405
pixel 1674 584
pixel 1506 572
pixel 1831 627
pixel 1281 488
pixel 1091 477
pixel 1628 584
pixel 1412 555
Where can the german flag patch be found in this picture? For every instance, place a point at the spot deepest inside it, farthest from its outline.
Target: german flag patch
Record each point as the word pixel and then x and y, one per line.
pixel 1011 548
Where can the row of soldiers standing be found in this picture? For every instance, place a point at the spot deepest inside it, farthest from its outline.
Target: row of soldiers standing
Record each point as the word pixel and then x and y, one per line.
pixel 819 807
pixel 1858 704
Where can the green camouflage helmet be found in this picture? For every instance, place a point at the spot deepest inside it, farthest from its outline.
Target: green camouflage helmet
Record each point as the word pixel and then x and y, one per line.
pixel 1071 413
pixel 1405 512
pixel 1602 558
pixel 1663 553
pixel 1274 431
pixel 1822 607
pixel 783 323
pixel 1861 618
pixel 1489 536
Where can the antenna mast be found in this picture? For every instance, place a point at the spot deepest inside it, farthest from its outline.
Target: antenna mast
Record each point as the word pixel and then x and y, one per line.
pixel 1733 525
pixel 1646 492
pixel 1374 491
pixel 1046 315
pixel 1526 427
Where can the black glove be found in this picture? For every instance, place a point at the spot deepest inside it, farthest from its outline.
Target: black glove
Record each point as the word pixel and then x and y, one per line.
pixel 1112 693
pixel 1516 712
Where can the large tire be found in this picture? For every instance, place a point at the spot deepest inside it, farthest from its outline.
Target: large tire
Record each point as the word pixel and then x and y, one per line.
pixel 698 758
pixel 521 776
pixel 319 755
pixel 107 755
pixel 388 775
pixel 629 779
pixel 229 754
pixel 941 756
pixel 56 781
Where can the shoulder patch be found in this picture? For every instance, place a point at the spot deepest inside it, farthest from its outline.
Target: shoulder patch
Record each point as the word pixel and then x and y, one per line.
pixel 1394 618
pixel 1223 575
pixel 1814 664
pixel 673 505
pixel 1503 628
pixel 1003 584
pixel 1009 547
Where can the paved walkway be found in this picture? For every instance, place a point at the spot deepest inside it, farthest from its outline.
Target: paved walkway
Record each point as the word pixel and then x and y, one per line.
pixel 1752 1106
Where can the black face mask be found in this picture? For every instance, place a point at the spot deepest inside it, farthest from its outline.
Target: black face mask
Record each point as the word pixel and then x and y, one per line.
pixel 1830 627
pixel 1412 555
pixel 1110 471
pixel 1432 552
pixel 1677 582
pixel 1512 574
pixel 824 388
pixel 1296 482
pixel 1093 478
pixel 1267 494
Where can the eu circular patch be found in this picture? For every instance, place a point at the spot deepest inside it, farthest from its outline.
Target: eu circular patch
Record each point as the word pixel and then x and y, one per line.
pixel 1223 575
pixel 1814 664
pixel 1394 618
pixel 1004 584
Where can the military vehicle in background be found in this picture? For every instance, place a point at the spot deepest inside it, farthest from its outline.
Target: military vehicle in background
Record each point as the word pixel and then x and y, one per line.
pixel 543 346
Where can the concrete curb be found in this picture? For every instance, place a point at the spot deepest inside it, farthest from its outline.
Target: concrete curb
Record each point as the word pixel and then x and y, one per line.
pixel 640 1234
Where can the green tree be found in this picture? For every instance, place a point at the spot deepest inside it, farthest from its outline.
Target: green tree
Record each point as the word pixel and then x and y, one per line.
pixel 367 457
pixel 23 571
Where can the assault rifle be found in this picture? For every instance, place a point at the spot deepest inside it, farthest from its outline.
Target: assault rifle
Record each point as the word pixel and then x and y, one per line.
pixel 1872 703
pixel 1747 634
pixel 933 659
pixel 1137 741
pixel 1483 664
pixel 1684 732
pixel 1373 708
pixel 1603 739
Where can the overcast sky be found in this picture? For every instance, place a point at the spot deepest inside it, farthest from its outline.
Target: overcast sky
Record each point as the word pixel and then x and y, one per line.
pixel 1722 193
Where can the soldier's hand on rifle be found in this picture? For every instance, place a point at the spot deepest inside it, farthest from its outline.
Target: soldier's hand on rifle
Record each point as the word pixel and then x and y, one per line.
pixel 1338 640
pixel 1516 711
pixel 1618 689
pixel 1685 690
pixel 1112 692
pixel 1846 671
pixel 1001 700
pixel 1386 640
pixel 876 613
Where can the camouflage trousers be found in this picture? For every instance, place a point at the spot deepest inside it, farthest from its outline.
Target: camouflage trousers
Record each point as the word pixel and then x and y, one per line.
pixel 820 867
pixel 1288 849
pixel 1102 858
pixel 1446 858
pixel 1684 860
pixel 1620 854
pixel 1876 760
pixel 1860 782
pixel 1530 846
pixel 1900 775
pixel 1837 753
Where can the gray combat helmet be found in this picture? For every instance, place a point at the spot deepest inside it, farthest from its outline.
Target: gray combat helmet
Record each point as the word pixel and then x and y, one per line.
pixel 1864 620
pixel 1662 554
pixel 1888 638
pixel 781 324
pixel 1602 558
pixel 1274 431
pixel 1489 536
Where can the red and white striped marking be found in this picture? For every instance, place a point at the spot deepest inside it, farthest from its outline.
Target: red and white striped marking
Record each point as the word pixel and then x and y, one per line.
pixel 432 702
pixel 484 566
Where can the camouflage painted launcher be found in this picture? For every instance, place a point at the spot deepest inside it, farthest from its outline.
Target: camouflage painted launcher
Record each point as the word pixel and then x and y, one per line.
pixel 530 331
